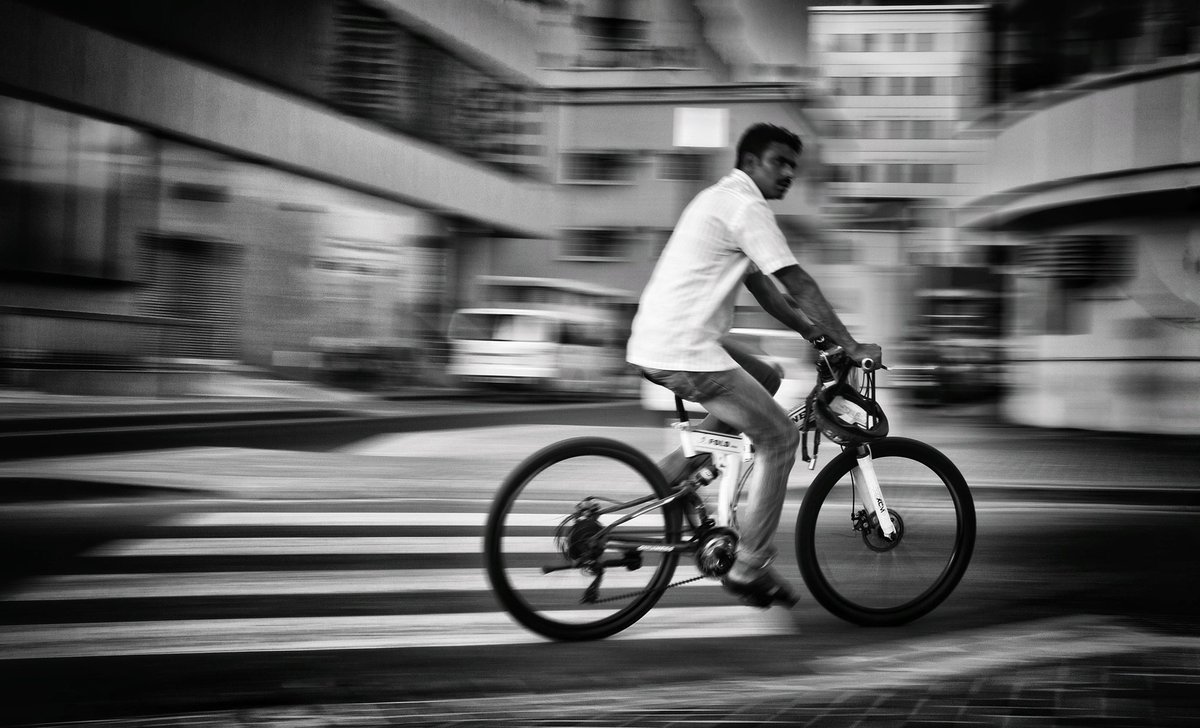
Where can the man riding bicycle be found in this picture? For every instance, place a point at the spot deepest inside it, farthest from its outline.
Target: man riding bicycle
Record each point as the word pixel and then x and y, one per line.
pixel 728 236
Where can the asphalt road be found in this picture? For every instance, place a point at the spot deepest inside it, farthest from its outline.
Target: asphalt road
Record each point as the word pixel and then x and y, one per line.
pixel 218 578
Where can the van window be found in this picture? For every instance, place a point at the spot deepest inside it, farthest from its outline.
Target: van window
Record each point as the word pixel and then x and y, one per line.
pixel 500 327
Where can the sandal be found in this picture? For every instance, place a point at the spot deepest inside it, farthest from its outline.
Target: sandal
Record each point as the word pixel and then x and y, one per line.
pixel 763 592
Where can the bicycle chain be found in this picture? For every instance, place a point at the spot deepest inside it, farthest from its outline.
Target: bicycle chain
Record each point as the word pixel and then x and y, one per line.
pixel 644 592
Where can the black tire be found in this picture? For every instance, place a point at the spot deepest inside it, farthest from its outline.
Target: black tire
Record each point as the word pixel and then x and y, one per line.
pixel 864 579
pixel 520 538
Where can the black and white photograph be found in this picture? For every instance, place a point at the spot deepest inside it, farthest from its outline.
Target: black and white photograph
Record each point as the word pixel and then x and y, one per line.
pixel 599 363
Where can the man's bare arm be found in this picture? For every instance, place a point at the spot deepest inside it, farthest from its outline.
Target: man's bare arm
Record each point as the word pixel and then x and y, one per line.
pixel 806 295
pixel 780 305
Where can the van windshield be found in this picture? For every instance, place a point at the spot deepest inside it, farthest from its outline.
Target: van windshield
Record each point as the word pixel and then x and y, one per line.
pixel 500 327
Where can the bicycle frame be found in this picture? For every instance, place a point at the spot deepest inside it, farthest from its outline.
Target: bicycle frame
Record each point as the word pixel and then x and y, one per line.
pixel 731 454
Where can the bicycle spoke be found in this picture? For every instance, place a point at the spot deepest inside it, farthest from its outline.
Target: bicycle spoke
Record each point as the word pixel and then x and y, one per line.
pixel 565 557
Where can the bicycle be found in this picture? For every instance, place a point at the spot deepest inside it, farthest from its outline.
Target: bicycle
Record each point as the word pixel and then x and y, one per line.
pixel 884 532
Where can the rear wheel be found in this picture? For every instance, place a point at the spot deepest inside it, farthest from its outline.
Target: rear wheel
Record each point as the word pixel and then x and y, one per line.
pixel 859 575
pixel 559 557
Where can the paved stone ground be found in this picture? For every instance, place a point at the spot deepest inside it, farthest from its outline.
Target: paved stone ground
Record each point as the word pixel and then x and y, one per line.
pixel 1083 671
pixel 1159 689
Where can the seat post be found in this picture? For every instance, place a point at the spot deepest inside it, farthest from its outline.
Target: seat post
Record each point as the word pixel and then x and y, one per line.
pixel 679 410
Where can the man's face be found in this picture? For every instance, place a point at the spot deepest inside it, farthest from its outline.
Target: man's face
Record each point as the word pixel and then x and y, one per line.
pixel 774 170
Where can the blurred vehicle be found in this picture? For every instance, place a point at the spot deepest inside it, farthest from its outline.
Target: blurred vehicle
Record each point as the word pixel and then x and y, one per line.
pixel 549 351
pixel 365 363
pixel 957 351
pixel 792 356
pixel 957 371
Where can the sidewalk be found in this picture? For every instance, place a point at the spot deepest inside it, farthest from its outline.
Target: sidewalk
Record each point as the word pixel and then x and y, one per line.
pixel 1079 671
pixel 990 454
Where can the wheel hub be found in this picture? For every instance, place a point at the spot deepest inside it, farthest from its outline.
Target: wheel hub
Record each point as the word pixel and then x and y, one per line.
pixel 575 538
pixel 873 536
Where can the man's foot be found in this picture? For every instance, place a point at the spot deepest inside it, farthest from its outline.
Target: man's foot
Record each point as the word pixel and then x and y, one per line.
pixel 763 591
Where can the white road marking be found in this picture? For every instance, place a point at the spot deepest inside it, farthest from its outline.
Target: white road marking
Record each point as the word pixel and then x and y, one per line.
pixel 350 633
pixel 312 546
pixel 364 518
pixel 75 587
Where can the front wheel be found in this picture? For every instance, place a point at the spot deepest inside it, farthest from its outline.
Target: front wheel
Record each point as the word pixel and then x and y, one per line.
pixel 860 576
pixel 575 544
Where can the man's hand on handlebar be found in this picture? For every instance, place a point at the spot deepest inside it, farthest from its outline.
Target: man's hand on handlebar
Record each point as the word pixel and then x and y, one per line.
pixel 867 356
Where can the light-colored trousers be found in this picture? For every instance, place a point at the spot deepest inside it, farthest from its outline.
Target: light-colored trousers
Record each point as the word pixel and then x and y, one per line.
pixel 740 401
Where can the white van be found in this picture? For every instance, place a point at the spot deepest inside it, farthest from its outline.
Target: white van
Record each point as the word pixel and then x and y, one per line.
pixel 531 349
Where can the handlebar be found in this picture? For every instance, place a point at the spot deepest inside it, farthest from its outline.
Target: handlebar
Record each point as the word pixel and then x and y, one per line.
pixel 829 349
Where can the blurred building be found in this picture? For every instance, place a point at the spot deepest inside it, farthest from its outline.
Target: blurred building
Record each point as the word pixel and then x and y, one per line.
pixel 902 80
pixel 193 185
pixel 903 83
pixel 648 100
pixel 1093 184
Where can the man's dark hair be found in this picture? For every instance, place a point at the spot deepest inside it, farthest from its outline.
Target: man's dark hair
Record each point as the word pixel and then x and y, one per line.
pixel 757 138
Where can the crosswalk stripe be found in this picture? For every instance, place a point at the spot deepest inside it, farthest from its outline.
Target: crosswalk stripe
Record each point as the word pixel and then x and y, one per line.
pixel 294 634
pixel 198 635
pixel 326 518
pixel 305 583
pixel 313 545
pixel 359 518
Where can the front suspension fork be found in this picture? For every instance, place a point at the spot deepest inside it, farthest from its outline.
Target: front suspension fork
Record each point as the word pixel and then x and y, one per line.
pixel 866 484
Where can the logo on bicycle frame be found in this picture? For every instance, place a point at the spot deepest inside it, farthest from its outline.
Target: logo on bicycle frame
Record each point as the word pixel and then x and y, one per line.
pixel 717 442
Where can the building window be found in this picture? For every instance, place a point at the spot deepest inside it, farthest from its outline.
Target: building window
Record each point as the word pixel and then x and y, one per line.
pixel 682 166
pixel 848 43
pixel 597 168
pixel 596 244
pixel 75 192
pixel 899 41
pixel 897 86
pixel 922 129
pixel 379 70
pixel 924 42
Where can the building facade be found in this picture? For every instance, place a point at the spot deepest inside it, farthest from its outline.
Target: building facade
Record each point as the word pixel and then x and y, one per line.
pixel 1092 183
pixel 204 183
pixel 210 183
pixel 903 81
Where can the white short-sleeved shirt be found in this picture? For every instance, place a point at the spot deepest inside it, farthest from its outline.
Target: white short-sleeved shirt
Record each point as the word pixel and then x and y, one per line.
pixel 688 304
